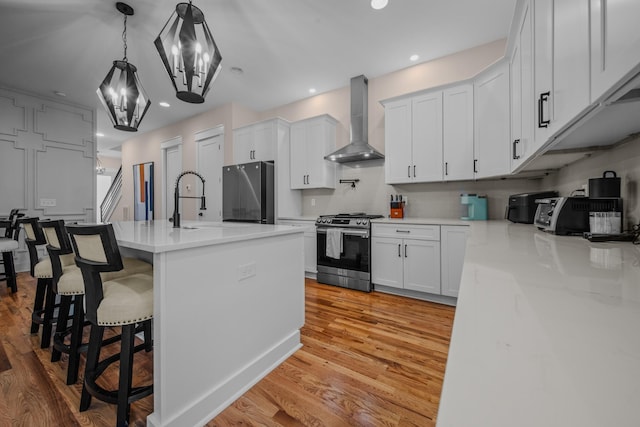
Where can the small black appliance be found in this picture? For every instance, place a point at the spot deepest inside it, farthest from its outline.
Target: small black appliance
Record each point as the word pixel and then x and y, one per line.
pixel 522 207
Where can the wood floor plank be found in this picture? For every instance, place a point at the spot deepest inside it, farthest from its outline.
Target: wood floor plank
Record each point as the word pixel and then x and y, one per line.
pixel 368 359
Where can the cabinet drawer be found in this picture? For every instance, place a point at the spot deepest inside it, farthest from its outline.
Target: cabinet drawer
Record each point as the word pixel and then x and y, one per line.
pixel 409 231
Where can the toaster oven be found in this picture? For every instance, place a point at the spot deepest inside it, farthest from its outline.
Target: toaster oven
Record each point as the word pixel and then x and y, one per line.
pixel 570 215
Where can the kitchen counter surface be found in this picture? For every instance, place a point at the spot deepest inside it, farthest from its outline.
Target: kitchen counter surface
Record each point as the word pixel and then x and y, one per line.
pixel 546 332
pixel 298 218
pixel 160 236
pixel 421 221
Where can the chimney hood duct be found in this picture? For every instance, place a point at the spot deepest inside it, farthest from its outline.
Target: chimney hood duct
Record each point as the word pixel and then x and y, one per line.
pixel 358 149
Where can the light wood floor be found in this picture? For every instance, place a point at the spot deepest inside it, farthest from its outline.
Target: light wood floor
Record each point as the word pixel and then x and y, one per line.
pixel 367 360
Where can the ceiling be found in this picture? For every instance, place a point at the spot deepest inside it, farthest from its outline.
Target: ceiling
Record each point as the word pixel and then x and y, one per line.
pixel 284 47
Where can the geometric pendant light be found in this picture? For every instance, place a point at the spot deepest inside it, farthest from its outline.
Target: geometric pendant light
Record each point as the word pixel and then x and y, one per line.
pixel 189 53
pixel 121 92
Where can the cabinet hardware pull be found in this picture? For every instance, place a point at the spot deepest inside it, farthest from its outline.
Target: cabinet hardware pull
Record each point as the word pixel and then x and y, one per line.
pixel 414 171
pixel 446 168
pixel 403 231
pixel 405 251
pixel 409 171
pixel 544 97
pixel 515 143
pixel 399 256
pixel 475 165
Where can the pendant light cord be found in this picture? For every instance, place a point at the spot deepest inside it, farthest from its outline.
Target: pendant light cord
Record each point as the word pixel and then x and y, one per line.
pixel 124 38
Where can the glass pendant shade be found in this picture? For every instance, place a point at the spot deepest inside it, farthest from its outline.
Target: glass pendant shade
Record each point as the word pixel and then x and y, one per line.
pixel 123 96
pixel 189 53
pixel 121 92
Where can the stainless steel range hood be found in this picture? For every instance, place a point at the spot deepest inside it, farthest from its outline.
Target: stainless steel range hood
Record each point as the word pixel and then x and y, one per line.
pixel 358 149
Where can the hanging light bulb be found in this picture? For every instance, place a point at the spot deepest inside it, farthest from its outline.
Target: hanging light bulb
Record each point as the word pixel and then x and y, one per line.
pixel 121 92
pixel 189 53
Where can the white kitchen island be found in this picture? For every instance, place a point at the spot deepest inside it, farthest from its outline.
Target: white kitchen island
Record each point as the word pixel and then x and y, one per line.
pixel 546 332
pixel 228 308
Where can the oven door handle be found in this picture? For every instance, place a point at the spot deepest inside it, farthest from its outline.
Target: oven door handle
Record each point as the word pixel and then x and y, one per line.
pixel 346 232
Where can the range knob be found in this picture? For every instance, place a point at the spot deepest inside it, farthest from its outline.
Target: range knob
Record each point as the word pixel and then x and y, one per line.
pixel 364 221
pixel 358 221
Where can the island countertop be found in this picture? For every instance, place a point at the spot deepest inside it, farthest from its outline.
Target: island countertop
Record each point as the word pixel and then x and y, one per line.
pixel 160 236
pixel 546 332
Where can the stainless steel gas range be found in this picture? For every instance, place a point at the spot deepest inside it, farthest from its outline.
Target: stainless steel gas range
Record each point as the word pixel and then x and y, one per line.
pixel 344 250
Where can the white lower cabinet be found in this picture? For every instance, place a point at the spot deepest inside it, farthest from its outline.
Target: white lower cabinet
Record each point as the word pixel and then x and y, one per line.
pixel 310 247
pixel 453 242
pixel 418 260
pixel 406 257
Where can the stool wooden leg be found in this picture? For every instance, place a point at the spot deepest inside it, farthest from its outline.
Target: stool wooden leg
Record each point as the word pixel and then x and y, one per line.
pixel 76 339
pixel 126 373
pixel 10 271
pixel 61 325
pixel 93 355
pixel 47 320
pixel 38 303
pixel 148 335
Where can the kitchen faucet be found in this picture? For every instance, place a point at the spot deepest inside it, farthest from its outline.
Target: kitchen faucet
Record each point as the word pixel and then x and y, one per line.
pixel 177 197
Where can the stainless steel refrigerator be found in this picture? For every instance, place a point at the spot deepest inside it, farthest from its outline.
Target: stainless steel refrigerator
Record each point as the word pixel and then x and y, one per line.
pixel 248 193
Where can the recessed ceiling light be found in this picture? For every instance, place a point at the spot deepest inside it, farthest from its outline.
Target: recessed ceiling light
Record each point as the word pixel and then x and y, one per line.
pixel 99 134
pixel 236 70
pixel 59 93
pixel 414 58
pixel 379 4
pixel 164 104
pixel 312 90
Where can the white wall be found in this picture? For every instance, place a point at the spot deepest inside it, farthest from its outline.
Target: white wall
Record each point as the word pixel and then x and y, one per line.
pixel 47 151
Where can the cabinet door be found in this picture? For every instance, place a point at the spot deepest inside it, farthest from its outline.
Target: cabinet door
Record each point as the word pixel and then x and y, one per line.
pixel 264 142
pixel 426 131
pixel 543 70
pixel 571 63
pixel 298 156
pixel 320 172
pixel 515 92
pixel 491 123
pixel 458 132
pixel 453 244
pixel 522 100
pixel 397 141
pixel 421 265
pixel 310 251
pixel 243 145
pixel 615 42
pixel 386 262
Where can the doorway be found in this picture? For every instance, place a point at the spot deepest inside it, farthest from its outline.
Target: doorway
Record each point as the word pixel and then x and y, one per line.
pixel 210 159
pixel 172 166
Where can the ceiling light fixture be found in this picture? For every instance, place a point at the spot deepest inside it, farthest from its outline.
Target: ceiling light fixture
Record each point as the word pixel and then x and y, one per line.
pixel 164 104
pixel 189 53
pixel 379 4
pixel 121 92
pixel 414 58
pixel 312 90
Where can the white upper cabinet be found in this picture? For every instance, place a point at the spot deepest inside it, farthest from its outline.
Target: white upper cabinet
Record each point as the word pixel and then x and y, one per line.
pixel 413 139
pixel 543 70
pixel 522 92
pixel 571 61
pixel 615 42
pixel 426 164
pixel 429 137
pixel 311 140
pixel 491 122
pixel 458 132
pixel 255 142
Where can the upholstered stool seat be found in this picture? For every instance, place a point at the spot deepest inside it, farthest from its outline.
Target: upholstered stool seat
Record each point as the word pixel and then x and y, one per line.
pixel 123 301
pixel 71 283
pixel 8 244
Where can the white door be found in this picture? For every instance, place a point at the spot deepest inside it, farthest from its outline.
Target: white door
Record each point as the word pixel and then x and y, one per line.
pixel 210 160
pixel 458 132
pixel 427 138
pixel 172 159
pixel 421 265
pixel 386 270
pixel 397 141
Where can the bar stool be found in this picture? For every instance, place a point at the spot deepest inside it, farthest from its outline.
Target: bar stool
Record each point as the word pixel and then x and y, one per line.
pixel 40 268
pixel 125 302
pixel 8 244
pixel 69 285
